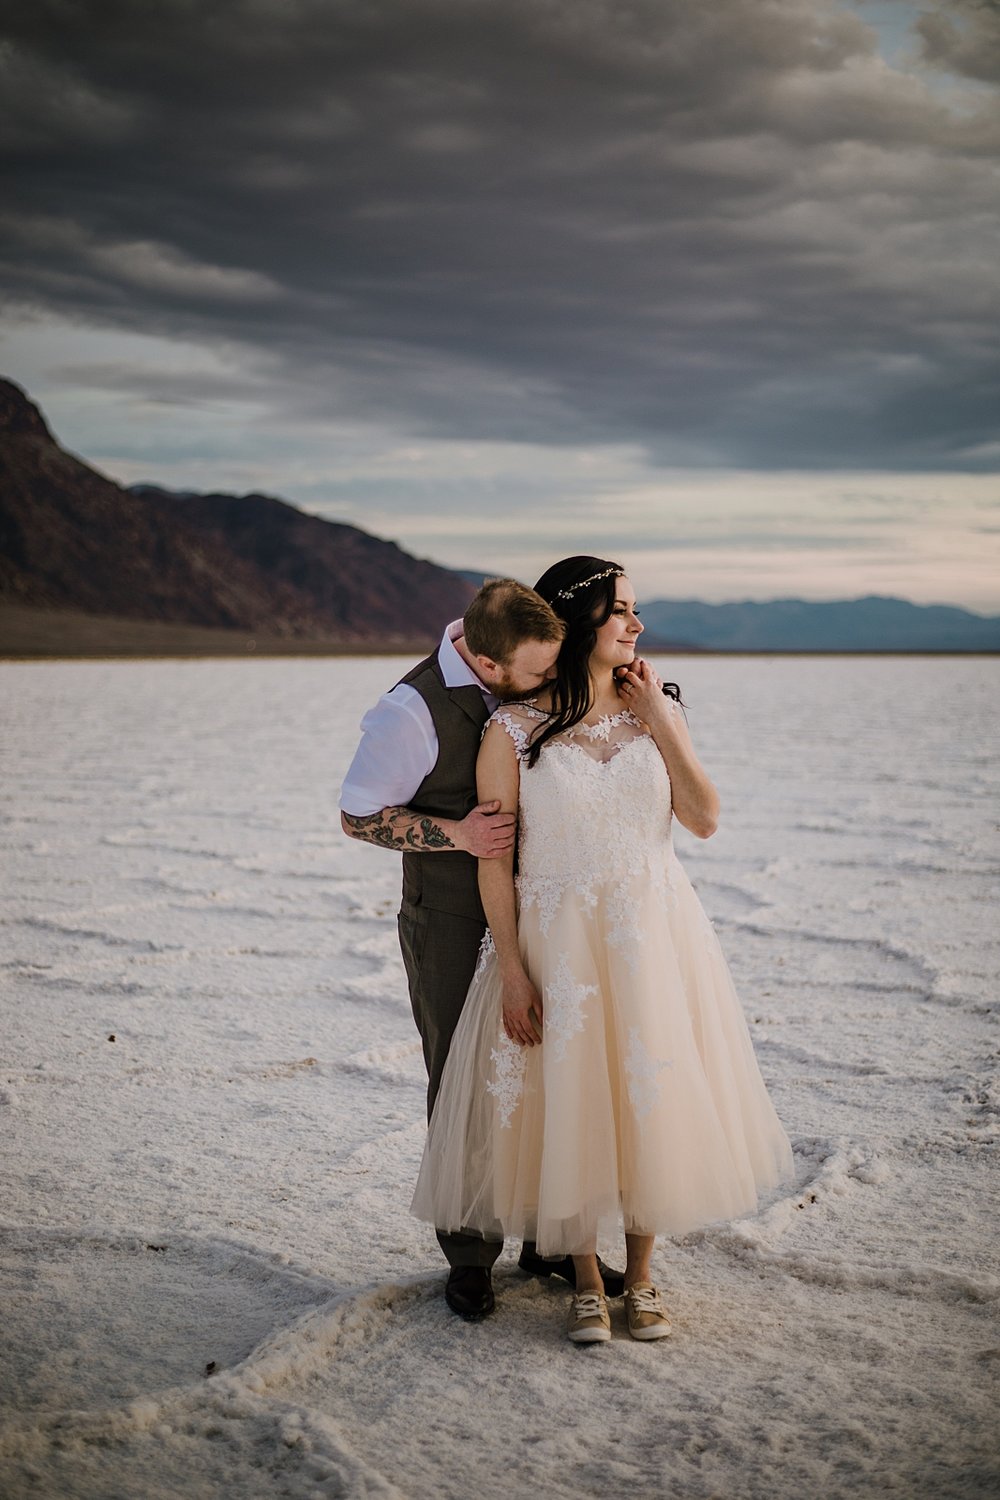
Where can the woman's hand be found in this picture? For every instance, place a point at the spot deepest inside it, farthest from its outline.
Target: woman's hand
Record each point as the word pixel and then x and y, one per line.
pixel 522 1008
pixel 641 690
pixel 694 800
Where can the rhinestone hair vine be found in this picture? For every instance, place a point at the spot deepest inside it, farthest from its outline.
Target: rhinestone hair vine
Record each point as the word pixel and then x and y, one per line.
pixel 594 578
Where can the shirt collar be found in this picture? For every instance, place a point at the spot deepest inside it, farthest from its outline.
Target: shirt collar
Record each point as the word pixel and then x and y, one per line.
pixel 454 668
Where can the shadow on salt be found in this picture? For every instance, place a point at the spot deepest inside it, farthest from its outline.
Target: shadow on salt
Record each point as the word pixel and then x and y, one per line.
pixel 141 1365
pixel 97 1317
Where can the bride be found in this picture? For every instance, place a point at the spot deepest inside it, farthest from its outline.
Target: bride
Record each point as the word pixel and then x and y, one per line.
pixel 601 1074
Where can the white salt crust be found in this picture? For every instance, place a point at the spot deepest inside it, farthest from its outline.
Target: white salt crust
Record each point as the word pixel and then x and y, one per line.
pixel 210 1283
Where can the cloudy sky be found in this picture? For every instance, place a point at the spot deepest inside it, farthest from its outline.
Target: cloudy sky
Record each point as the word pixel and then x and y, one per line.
pixel 709 285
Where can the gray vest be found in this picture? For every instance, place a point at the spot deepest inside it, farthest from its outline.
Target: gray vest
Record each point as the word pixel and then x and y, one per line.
pixel 447 881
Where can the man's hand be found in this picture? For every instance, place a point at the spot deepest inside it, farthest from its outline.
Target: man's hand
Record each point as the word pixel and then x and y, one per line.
pixel 522 1008
pixel 486 832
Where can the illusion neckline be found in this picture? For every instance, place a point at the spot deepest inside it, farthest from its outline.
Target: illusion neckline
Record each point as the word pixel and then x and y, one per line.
pixel 624 715
pixel 599 730
pixel 601 726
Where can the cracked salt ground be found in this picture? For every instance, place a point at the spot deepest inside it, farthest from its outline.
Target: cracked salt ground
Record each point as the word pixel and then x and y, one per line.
pixel 206 1030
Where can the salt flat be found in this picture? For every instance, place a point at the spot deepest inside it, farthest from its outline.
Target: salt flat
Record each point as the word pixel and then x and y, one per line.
pixel 211 1112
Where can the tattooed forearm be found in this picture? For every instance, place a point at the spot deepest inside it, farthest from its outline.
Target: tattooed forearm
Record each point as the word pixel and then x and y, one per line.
pixel 432 836
pixel 373 829
pixel 398 828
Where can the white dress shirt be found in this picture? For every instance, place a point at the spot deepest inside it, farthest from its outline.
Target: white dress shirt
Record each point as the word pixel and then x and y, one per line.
pixel 399 744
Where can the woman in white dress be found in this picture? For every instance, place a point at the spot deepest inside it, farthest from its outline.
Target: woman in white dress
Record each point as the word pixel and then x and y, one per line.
pixel 602 1073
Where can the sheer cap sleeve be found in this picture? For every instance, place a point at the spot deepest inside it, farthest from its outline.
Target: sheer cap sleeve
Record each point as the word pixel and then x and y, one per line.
pixel 519 720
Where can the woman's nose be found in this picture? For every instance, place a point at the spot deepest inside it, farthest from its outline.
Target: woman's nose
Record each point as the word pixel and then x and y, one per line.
pixel 637 625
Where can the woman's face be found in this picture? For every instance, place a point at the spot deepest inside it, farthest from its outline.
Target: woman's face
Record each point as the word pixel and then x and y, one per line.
pixel 616 638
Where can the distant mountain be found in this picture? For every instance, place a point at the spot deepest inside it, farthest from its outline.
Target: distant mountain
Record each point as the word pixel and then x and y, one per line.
pixel 73 540
pixel 870 624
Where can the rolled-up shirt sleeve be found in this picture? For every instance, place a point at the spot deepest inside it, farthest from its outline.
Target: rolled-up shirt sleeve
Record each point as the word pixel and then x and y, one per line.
pixel 398 748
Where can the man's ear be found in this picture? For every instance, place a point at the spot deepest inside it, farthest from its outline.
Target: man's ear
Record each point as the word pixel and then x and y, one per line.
pixel 488 664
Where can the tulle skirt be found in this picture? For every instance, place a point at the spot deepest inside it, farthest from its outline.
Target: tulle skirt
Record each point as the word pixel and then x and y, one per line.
pixel 643 1108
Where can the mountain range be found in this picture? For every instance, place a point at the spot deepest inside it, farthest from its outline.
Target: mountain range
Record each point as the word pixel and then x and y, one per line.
pixel 74 542
pixel 90 567
pixel 873 623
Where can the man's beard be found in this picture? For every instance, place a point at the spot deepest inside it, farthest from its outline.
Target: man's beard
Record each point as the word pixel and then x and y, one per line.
pixel 508 691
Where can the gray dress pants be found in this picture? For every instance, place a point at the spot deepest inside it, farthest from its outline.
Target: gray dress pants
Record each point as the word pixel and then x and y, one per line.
pixel 439 954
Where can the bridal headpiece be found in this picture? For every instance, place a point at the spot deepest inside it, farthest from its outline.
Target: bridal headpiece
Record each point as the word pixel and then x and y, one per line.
pixel 584 582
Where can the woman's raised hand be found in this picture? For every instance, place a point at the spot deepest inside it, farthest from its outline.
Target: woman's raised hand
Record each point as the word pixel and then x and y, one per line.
pixel 641 690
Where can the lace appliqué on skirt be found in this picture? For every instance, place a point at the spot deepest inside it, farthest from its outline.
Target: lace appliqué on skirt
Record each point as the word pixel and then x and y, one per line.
pixel 507 1083
pixel 564 1013
pixel 546 893
pixel 486 950
pixel 643 1074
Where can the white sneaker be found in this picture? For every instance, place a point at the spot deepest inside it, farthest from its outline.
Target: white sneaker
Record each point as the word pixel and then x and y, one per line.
pixel 589 1321
pixel 647 1316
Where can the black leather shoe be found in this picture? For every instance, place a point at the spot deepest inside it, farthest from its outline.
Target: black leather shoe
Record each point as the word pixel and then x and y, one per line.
pixel 532 1262
pixel 469 1292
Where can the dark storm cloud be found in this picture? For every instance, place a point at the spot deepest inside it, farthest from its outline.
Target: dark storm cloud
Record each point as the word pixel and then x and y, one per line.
pixel 727 232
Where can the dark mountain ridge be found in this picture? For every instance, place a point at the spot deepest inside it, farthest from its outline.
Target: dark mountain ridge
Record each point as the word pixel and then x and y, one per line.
pixel 73 540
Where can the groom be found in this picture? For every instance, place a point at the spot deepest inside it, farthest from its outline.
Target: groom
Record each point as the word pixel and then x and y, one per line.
pixel 412 786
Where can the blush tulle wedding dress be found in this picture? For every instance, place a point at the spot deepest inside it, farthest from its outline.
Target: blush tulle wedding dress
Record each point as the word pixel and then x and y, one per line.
pixel 644 1107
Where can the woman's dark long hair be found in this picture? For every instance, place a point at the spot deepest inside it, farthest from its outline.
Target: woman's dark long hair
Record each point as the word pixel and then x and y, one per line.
pixel 588 606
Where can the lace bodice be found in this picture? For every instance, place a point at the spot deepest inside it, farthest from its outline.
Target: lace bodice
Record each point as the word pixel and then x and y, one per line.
pixel 594 810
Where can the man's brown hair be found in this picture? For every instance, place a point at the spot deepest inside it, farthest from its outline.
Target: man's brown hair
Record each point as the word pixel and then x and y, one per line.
pixel 505 614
